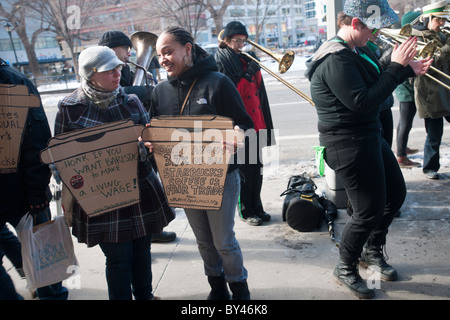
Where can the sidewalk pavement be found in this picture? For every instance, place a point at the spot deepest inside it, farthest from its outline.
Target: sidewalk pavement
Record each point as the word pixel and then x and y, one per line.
pixel 284 264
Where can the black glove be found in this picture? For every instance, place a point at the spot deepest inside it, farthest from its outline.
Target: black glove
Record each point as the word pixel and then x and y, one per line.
pixel 252 69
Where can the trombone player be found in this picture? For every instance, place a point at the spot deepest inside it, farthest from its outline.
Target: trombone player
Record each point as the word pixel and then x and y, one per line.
pixel 432 99
pixel 246 75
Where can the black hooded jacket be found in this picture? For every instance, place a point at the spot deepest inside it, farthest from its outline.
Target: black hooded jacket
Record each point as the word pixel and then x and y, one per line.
pixel 347 89
pixel 213 93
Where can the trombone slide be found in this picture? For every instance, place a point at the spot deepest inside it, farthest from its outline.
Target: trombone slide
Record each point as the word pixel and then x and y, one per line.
pixel 287 84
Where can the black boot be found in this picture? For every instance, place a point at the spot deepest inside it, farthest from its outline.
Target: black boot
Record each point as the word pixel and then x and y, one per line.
pixel 347 274
pixel 375 257
pixel 240 290
pixel 219 289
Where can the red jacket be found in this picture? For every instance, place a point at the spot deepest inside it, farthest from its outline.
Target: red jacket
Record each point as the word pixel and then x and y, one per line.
pixel 250 95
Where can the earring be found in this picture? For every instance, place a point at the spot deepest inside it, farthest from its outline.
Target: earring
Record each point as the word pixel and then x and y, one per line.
pixel 189 63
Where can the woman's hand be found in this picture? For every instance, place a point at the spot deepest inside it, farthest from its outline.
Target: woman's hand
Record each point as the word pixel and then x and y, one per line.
pixel 404 53
pixel 148 144
pixel 232 146
pixel 421 67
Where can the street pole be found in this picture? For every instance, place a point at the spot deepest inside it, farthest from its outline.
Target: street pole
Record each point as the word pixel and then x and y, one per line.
pixel 8 28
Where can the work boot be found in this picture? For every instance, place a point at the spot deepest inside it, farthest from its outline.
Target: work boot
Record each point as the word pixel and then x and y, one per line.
pixel 375 257
pixel 219 289
pixel 240 290
pixel 347 274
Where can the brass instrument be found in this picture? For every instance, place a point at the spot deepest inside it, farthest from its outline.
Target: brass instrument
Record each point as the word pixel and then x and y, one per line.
pixel 284 63
pixel 427 49
pixel 284 60
pixel 144 43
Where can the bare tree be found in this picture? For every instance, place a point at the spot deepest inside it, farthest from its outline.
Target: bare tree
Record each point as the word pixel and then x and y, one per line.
pixel 217 9
pixel 66 18
pixel 188 14
pixel 17 15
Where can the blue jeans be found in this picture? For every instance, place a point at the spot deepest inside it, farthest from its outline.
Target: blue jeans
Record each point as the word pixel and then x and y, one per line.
pixel 213 230
pixel 52 292
pixel 128 269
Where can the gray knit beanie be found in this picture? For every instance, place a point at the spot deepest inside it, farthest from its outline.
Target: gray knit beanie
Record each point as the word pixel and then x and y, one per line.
pixel 97 59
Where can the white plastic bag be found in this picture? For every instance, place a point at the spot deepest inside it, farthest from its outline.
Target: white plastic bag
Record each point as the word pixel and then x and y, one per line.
pixel 47 251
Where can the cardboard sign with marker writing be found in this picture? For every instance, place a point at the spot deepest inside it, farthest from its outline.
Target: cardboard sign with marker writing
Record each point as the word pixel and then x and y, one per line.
pixel 98 165
pixel 15 100
pixel 190 158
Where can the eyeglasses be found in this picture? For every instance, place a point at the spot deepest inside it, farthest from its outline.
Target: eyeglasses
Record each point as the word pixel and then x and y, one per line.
pixel 239 41
pixel 375 30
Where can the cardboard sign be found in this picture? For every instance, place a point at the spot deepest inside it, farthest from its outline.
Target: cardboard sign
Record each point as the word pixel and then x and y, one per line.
pixel 15 100
pixel 98 165
pixel 190 158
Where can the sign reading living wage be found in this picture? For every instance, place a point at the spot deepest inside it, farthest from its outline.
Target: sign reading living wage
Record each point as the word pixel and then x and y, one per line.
pixel 98 165
pixel 190 158
pixel 15 100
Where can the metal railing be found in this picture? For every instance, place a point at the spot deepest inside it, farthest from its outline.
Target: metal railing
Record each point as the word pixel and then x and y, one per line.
pixel 59 82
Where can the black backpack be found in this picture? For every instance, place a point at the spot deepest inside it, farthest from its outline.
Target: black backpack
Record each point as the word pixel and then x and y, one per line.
pixel 303 209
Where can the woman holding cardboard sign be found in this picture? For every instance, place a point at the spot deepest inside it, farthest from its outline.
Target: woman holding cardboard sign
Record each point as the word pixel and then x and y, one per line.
pixel 194 87
pixel 124 235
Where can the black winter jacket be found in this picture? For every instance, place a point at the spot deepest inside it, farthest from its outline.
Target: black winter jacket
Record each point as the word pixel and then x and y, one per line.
pixel 347 89
pixel 29 185
pixel 213 93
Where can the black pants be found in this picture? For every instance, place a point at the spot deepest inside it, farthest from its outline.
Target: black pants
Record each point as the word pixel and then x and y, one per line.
pixel 250 203
pixel 407 113
pixel 374 184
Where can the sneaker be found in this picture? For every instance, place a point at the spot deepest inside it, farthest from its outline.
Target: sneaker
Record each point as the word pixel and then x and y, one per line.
pixel 432 175
pixel 404 162
pixel 252 220
pixel 411 151
pixel 163 236
pixel 264 216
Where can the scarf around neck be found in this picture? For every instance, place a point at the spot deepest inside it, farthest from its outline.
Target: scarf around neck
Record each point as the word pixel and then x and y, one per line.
pixel 101 98
pixel 231 63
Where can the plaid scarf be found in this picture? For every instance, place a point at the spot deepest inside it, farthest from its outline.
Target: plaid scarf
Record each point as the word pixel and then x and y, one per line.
pixel 101 98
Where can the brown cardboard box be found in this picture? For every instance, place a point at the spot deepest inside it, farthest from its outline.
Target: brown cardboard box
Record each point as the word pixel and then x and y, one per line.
pixel 98 165
pixel 15 100
pixel 190 158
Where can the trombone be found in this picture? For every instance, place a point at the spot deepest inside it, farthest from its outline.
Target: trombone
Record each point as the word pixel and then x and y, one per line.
pixel 427 49
pixel 284 63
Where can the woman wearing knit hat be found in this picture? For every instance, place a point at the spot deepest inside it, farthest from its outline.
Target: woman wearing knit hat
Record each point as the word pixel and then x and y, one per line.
pixel 432 99
pixel 246 76
pixel 124 235
pixel 347 87
pixel 121 44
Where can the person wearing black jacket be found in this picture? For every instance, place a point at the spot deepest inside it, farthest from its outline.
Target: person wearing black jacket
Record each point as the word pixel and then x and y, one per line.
pixel 348 86
pixel 27 189
pixel 191 69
